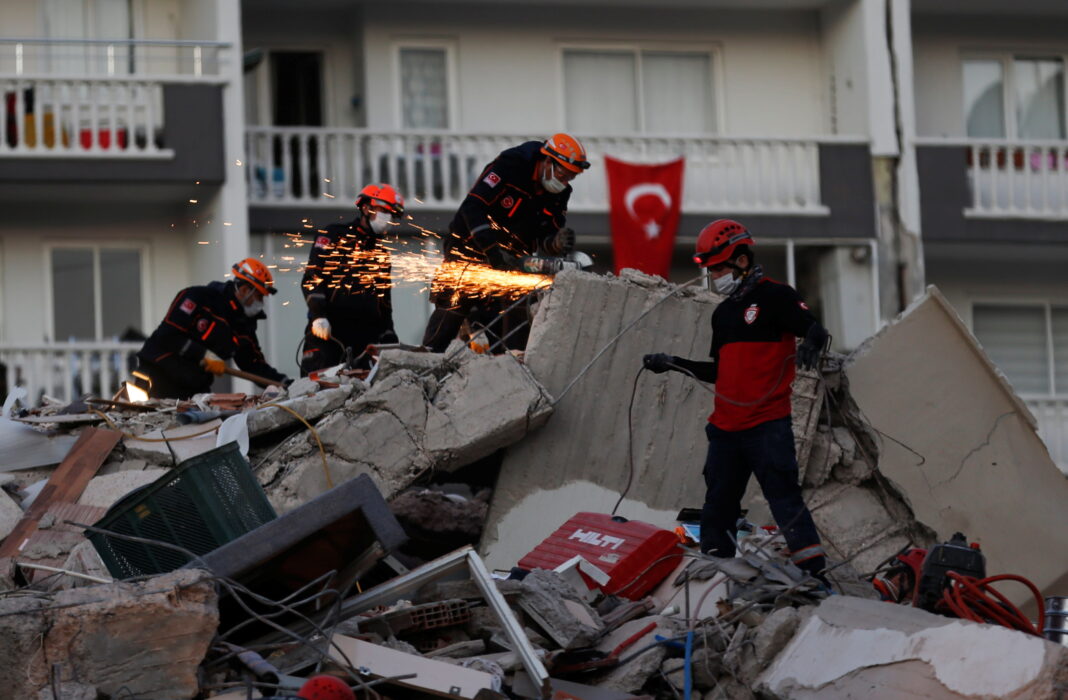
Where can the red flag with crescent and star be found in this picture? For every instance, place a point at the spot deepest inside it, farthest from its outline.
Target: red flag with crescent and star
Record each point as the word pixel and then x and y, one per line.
pixel 644 205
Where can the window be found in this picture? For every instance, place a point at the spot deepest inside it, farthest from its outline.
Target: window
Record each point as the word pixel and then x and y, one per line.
pixel 424 88
pixel 630 91
pixel 96 292
pixel 87 19
pixel 1015 97
pixel 1029 342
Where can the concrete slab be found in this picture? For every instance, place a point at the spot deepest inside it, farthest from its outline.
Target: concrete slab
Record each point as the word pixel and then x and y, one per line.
pixel 103 491
pixel 973 461
pixel 186 441
pixel 851 647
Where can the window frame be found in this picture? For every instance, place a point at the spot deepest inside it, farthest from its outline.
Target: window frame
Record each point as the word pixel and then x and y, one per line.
pixel 142 247
pixel 448 45
pixel 1007 58
pixel 713 50
pixel 1047 305
pixel 262 77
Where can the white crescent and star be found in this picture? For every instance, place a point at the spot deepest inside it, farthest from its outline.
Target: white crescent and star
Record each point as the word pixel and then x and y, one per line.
pixel 652 229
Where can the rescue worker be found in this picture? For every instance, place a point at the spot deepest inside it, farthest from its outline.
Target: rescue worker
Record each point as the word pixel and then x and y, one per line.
pixel 347 282
pixel 516 209
pixel 204 327
pixel 753 356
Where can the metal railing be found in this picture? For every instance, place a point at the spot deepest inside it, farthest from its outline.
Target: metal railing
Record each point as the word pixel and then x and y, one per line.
pixel 66 371
pixel 1051 415
pixel 1017 179
pixel 311 166
pixel 94 98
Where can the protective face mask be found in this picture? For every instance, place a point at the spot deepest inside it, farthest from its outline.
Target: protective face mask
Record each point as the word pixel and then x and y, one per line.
pixel 252 310
pixel 551 184
pixel 725 284
pixel 379 221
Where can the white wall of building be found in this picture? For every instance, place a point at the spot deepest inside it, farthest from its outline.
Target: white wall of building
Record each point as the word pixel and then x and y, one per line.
pixel 939 43
pixel 507 62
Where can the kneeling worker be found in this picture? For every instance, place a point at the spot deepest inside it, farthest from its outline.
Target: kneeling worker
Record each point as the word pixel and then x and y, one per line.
pixel 204 327
pixel 752 366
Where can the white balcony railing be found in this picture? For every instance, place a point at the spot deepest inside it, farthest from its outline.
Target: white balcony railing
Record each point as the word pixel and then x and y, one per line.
pixel 67 371
pixel 91 98
pixel 326 167
pixel 1052 417
pixel 1018 179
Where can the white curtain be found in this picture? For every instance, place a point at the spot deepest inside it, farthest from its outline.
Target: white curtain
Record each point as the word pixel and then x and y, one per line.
pixel 1039 98
pixel 599 91
pixel 677 93
pixel 424 89
pixel 86 19
pixel 984 107
pixel 1015 339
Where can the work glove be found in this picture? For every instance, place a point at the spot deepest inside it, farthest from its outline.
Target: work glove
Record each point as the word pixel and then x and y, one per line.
pixel 213 363
pixel 809 351
pixel 321 329
pixel 561 243
pixel 388 337
pixel 658 362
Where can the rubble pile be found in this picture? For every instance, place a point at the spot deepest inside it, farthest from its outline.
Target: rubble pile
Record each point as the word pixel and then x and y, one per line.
pixel 356 481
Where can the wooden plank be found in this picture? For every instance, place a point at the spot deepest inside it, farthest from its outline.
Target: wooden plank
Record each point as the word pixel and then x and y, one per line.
pixel 66 483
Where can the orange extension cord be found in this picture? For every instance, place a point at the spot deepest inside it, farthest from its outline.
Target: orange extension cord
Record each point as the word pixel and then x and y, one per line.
pixel 976 599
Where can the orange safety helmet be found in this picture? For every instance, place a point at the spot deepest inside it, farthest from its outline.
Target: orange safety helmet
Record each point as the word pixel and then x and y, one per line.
pixel 567 151
pixel 382 195
pixel 717 242
pixel 254 272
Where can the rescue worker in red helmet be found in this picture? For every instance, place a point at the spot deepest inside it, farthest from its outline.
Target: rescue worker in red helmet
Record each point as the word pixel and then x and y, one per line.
pixel 517 208
pixel 753 356
pixel 348 282
pixel 204 327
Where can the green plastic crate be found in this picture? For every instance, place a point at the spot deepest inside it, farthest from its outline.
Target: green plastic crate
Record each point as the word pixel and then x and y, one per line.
pixel 205 502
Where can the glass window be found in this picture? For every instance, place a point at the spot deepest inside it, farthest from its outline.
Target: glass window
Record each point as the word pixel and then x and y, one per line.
pixel 120 291
pixel 424 89
pixel 73 306
pixel 1015 339
pixel 1059 320
pixel 1039 98
pixel 984 106
pixel 600 93
pixel 677 93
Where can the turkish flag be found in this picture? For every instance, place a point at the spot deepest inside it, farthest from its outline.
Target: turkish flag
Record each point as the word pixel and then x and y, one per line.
pixel 644 204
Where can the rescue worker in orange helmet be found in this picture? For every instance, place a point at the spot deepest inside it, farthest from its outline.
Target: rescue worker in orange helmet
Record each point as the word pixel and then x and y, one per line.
pixel 348 282
pixel 753 353
pixel 205 327
pixel 516 208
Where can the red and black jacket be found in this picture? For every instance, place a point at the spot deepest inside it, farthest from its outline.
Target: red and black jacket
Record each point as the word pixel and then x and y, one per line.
pixel 508 207
pixel 753 346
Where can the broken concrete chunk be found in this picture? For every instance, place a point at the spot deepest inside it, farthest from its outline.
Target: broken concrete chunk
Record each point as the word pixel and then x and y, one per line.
pixel 555 606
pixel 860 648
pixel 147 637
pixel 823 457
pixel 391 361
pixel 436 512
pixel 173 451
pixel 104 491
pixel 302 387
pixel 630 677
pixel 767 640
pixel 10 514
pixel 310 407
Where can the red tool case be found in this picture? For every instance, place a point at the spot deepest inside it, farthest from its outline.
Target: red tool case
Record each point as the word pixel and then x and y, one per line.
pixel 636 556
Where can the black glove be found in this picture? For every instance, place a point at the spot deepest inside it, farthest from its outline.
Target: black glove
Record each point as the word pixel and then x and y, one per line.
pixel 809 351
pixel 561 243
pixel 388 337
pixel 501 259
pixel 658 362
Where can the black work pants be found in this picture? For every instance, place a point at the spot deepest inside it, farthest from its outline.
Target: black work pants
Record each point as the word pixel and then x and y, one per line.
pixel 446 320
pixel 766 451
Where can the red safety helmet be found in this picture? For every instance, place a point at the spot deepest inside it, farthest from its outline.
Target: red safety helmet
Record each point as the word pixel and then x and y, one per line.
pixel 325 688
pixel 717 242
pixel 255 273
pixel 385 196
pixel 567 151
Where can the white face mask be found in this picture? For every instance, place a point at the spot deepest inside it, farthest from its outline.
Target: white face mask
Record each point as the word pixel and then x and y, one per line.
pixel 379 221
pixel 252 310
pixel 551 184
pixel 725 284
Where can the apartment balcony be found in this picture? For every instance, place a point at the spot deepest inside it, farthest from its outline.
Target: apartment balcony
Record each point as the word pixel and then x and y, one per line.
pixel 66 371
pixel 969 188
pixel 303 169
pixel 88 110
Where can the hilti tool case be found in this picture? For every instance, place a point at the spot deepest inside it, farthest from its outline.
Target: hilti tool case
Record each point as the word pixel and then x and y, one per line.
pixel 624 549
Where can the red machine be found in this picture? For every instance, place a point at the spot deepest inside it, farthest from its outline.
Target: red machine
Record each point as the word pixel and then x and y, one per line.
pixel 636 556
